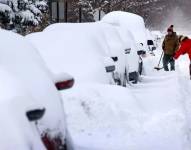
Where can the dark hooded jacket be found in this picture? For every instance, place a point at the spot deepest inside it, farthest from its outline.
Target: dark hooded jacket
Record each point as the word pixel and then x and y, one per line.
pixel 170 44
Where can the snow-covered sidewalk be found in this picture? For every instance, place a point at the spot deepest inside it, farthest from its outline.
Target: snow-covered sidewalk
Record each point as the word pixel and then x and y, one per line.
pixel 166 127
pixel 152 115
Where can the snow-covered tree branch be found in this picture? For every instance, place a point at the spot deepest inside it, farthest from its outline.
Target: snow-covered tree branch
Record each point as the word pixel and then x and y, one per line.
pixel 19 15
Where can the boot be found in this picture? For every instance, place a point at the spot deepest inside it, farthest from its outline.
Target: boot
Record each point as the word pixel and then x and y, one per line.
pixel 172 68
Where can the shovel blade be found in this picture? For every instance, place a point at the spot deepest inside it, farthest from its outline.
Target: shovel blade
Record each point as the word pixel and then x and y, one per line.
pixel 157 68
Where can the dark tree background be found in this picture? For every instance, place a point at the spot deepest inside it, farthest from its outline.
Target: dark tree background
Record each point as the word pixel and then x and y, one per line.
pixel 23 16
pixel 157 14
pixel 26 16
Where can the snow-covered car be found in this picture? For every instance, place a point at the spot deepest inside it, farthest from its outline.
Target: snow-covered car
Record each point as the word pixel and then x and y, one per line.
pixel 15 128
pixel 131 22
pixel 22 61
pixel 79 49
pixel 122 45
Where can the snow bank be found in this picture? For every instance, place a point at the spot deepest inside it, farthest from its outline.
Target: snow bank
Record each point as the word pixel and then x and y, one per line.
pixel 147 116
pixel 162 100
pixel 101 117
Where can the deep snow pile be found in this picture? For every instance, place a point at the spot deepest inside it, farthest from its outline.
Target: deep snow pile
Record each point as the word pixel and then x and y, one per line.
pixel 148 116
pixel 152 115
pixel 98 118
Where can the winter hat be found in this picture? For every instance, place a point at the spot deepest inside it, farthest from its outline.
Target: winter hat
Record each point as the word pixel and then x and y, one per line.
pixel 182 38
pixel 170 29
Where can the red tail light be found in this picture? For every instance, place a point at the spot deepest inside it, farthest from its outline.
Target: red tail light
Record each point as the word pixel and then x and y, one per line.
pixel 65 84
pixel 53 143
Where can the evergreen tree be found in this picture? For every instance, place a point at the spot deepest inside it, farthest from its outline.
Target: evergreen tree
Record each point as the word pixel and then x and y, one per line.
pixel 22 15
pixel 90 7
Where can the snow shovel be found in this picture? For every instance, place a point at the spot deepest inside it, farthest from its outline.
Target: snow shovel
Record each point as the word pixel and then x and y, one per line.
pixel 159 68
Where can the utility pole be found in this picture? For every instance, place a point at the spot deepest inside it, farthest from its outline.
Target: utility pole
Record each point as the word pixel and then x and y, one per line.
pixel 65 11
pixel 58 11
pixel 99 12
pixel 80 14
pixel 50 9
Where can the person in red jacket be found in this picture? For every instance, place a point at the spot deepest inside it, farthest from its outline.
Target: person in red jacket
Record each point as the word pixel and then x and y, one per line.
pixel 185 48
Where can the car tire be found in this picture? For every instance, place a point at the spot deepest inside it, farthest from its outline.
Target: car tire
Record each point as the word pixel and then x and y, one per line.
pixel 134 77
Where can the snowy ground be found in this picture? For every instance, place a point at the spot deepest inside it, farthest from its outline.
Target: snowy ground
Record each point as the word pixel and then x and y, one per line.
pixel 152 115
pixel 165 98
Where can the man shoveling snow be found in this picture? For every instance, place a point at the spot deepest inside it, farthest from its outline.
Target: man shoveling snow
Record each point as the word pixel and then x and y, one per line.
pixel 169 46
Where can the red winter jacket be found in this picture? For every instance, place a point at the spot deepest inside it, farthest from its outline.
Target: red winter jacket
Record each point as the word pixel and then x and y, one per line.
pixel 185 47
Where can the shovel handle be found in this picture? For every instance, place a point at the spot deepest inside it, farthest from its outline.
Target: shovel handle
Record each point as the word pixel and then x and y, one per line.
pixel 160 58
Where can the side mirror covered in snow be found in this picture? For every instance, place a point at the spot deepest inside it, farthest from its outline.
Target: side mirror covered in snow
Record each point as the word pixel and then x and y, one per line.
pixel 35 114
pixel 141 52
pixel 115 59
pixel 63 81
pixel 109 64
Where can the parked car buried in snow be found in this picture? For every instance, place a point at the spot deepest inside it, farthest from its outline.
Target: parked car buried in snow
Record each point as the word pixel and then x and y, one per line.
pixel 24 63
pixel 122 44
pixel 85 56
pixel 79 49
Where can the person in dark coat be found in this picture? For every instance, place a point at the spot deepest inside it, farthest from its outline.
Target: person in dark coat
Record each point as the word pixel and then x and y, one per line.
pixel 185 48
pixel 169 46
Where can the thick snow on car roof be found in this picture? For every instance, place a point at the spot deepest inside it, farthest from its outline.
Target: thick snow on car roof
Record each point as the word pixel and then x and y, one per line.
pixel 77 49
pixel 128 21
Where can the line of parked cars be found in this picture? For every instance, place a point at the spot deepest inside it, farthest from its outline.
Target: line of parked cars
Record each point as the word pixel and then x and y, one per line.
pixel 120 35
pixel 32 109
pixel 33 74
